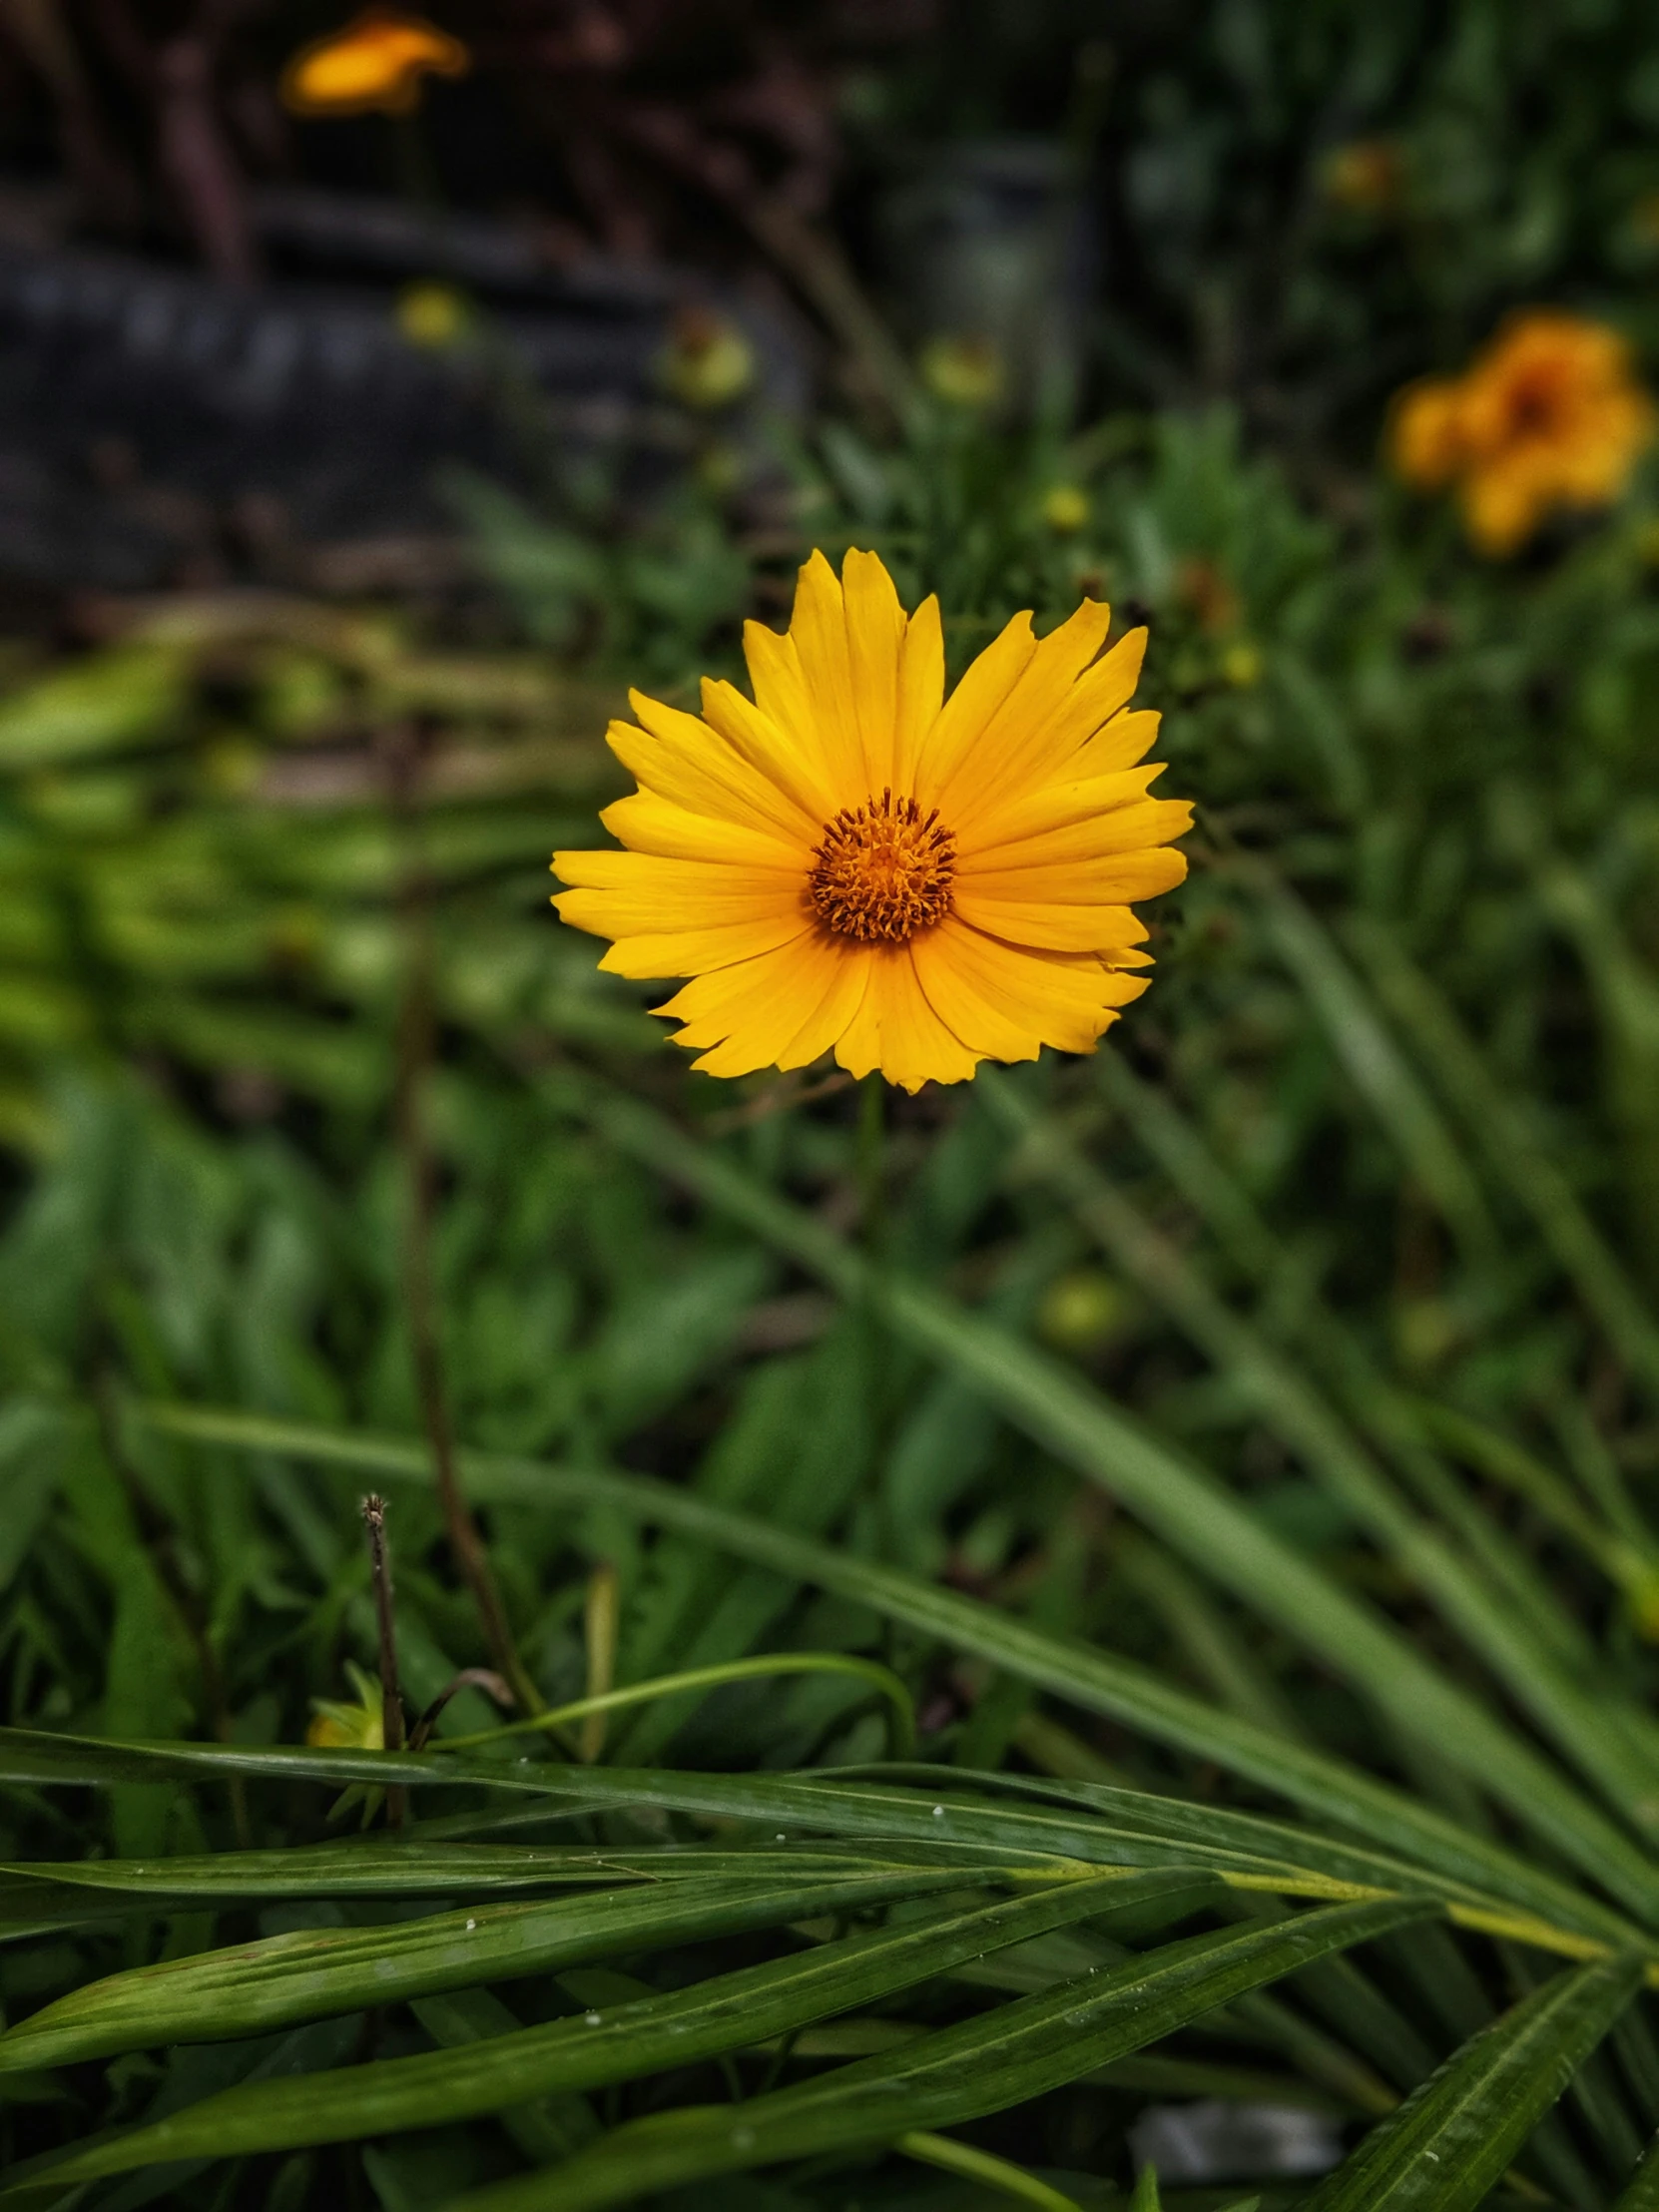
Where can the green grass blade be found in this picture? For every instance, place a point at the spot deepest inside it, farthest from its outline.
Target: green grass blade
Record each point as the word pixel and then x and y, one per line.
pixel 725 2013
pixel 1641 2191
pixel 1581 1251
pixel 68 1893
pixel 1192 1511
pixel 1022 2049
pixel 1453 2139
pixel 1085 1675
pixel 978 2166
pixel 315 1973
pixel 1374 1062
pixel 1576 1718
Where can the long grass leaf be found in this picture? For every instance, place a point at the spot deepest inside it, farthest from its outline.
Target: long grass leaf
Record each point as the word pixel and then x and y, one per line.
pixel 1022 2049
pixel 1452 2138
pixel 620 2042
pixel 312 1973
pixel 1083 1674
pixel 1192 1513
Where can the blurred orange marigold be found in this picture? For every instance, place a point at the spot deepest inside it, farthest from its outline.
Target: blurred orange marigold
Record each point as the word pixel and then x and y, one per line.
pixel 1547 416
pixel 375 63
pixel 851 862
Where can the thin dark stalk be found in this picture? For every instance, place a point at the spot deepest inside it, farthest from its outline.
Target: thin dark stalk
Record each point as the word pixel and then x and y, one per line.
pixel 391 1695
pixel 416 1048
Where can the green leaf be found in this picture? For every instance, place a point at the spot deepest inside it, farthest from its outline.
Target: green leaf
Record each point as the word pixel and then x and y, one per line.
pixel 1590 1723
pixel 1022 2049
pixel 68 1893
pixel 725 2013
pixel 1133 1828
pixel 1186 1506
pixel 1084 1674
pixel 104 705
pixel 256 1988
pixel 1454 2137
pixel 1641 2191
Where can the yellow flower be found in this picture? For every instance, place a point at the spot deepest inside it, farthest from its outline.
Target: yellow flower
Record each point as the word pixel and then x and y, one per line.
pixel 1547 416
pixel 376 62
pixel 854 862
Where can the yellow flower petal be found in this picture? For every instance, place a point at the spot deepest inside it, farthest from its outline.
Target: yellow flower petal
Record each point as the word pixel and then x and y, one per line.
pixel 681 758
pixel 782 1010
pixel 920 690
pixel 1053 851
pixel 1067 1000
pixel 777 752
pixel 874 642
pixel 896 1030
pixel 639 892
pixel 1038 723
pixel 818 631
pixel 648 823
pixel 964 718
pixel 688 951
pixel 1056 925
pixel 1015 831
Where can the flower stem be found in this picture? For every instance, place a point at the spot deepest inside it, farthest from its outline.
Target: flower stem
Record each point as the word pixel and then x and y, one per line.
pixel 871 1163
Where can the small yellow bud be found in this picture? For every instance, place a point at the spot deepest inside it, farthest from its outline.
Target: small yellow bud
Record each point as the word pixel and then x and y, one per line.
pixel 1065 509
pixel 432 315
pixel 340 1727
pixel 1082 1309
pixel 708 361
pixel 966 372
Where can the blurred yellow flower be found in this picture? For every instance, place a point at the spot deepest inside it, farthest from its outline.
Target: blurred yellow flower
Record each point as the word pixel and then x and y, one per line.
pixel 708 361
pixel 375 63
pixel 967 372
pixel 432 315
pixel 1066 509
pixel 854 862
pixel 1547 416
pixel 1364 176
pixel 1240 663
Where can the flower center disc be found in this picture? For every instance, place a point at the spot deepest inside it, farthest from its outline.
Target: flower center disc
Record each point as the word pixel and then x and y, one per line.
pixel 882 871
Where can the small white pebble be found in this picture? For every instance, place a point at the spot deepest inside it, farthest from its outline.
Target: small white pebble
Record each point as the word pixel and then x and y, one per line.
pixel 779 1837
pixel 592 2018
pixel 470 1925
pixel 938 1811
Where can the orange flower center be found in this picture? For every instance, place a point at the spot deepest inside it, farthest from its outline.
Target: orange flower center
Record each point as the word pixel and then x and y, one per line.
pixel 882 871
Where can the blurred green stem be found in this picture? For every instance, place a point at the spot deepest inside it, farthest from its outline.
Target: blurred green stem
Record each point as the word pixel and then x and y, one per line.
pixel 871 1163
pixel 979 2165
pixel 901 1726
pixel 417 1044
